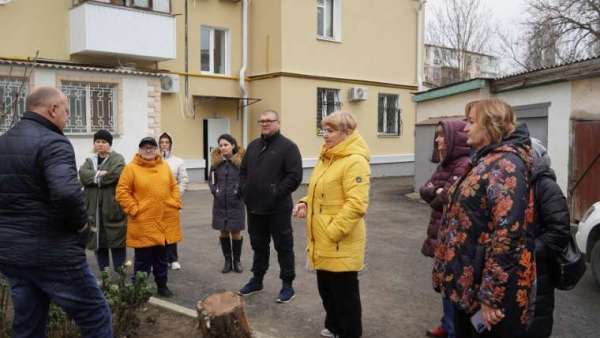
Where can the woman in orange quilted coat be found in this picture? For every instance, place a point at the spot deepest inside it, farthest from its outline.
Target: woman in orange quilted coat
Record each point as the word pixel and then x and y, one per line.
pixel 148 193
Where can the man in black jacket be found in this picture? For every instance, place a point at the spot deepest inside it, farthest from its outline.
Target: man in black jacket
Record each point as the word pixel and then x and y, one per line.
pixel 270 171
pixel 43 223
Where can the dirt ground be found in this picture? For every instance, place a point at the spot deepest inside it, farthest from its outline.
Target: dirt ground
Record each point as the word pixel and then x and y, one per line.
pixel 397 298
pixel 158 323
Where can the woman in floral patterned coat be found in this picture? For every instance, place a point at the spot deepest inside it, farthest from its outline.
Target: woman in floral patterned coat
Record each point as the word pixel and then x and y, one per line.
pixel 485 259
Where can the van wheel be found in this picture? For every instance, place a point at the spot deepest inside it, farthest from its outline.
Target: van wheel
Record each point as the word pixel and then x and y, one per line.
pixel 595 262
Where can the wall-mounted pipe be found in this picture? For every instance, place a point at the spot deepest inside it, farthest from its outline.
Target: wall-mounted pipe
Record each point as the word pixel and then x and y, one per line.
pixel 243 90
pixel 420 42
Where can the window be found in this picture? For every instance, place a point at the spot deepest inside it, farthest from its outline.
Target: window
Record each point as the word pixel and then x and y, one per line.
pixel 328 101
pixel 329 19
pixel 163 6
pixel 388 115
pixel 92 106
pixel 214 50
pixel 142 4
pixel 13 91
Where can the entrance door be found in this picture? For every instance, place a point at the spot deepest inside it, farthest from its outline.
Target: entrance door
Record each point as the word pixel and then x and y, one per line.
pixel 213 128
pixel 585 166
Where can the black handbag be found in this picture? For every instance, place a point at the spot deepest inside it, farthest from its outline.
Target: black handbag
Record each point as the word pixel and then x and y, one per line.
pixel 570 266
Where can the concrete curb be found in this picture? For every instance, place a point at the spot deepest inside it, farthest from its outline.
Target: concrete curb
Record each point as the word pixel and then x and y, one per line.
pixel 189 312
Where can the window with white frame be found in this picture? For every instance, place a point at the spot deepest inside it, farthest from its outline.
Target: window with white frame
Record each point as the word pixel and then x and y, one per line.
pixel 329 20
pixel 328 101
pixel 388 115
pixel 92 106
pixel 214 50
pixel 13 92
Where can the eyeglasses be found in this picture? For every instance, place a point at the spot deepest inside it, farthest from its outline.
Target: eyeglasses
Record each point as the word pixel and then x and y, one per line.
pixel 266 121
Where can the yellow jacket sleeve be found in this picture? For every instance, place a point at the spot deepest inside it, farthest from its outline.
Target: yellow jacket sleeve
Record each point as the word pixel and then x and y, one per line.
pixel 355 184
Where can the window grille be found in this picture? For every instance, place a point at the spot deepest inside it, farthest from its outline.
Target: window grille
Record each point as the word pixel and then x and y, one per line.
pixel 13 92
pixel 328 101
pixel 92 107
pixel 388 115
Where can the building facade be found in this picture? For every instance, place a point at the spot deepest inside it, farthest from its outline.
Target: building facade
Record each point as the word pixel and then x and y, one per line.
pixel 203 68
pixel 442 66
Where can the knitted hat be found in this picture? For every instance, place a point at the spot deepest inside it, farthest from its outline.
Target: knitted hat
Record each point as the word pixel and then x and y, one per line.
pixel 103 135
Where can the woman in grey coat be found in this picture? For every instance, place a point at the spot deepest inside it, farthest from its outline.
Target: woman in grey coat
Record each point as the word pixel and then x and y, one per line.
pixel 228 208
pixel 99 176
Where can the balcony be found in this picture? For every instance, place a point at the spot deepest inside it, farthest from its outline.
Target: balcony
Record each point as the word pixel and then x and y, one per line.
pixel 130 28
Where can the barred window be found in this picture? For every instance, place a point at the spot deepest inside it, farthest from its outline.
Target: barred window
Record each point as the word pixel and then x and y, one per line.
pixel 388 115
pixel 13 92
pixel 328 101
pixel 92 106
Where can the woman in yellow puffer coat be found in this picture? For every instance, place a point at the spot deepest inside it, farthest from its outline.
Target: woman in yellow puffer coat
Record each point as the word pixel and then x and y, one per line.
pixel 334 208
pixel 148 193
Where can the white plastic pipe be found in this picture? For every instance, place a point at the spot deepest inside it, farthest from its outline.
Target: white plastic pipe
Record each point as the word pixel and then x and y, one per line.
pixel 420 42
pixel 243 91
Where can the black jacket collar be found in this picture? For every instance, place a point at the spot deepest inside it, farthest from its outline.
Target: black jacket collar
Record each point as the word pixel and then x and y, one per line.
pixel 41 120
pixel 519 138
pixel 270 138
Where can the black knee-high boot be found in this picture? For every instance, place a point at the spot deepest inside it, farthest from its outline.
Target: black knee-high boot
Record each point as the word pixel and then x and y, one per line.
pixel 226 247
pixel 237 253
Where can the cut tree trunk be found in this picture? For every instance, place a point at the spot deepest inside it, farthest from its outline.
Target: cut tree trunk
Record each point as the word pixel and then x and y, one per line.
pixel 221 315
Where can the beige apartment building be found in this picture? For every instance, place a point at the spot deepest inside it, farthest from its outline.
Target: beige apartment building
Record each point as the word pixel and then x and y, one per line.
pixel 199 68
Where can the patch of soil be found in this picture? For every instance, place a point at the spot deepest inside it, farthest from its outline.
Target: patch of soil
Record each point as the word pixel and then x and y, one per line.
pixel 156 322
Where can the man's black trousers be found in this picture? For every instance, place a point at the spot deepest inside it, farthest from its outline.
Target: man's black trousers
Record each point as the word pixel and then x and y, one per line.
pixel 261 229
pixel 341 299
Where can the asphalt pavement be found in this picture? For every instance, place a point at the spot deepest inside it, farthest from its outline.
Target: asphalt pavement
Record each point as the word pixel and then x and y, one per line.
pixel 396 293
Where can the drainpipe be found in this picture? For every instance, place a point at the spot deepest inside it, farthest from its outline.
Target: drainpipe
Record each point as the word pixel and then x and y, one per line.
pixel 420 42
pixel 243 91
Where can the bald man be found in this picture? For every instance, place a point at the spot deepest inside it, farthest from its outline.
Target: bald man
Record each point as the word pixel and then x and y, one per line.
pixel 43 223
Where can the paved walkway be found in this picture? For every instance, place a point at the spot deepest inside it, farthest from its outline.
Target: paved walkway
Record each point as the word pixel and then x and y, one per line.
pixel 396 292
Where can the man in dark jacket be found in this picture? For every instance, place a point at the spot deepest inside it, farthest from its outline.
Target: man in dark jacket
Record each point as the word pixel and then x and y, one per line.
pixel 270 171
pixel 43 223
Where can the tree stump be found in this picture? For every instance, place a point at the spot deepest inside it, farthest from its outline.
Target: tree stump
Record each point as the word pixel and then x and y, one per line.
pixel 221 315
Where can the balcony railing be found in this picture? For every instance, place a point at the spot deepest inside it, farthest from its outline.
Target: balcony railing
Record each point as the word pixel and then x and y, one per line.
pixel 161 6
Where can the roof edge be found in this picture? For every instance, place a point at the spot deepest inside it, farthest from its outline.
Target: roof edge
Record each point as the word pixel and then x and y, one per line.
pixel 453 89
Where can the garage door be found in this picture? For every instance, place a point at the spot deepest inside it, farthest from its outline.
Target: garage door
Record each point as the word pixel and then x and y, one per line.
pixel 536 118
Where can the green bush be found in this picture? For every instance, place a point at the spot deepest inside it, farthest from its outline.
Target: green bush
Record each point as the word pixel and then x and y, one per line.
pixel 124 298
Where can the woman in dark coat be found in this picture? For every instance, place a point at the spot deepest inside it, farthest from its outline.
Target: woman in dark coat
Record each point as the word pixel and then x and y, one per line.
pixel 484 262
pixel 451 149
pixel 552 234
pixel 99 176
pixel 228 208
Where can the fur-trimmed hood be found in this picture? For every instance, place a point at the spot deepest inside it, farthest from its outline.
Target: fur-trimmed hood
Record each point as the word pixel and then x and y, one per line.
pixel 217 159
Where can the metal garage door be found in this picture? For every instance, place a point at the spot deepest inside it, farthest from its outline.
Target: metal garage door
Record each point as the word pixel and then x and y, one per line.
pixel 536 118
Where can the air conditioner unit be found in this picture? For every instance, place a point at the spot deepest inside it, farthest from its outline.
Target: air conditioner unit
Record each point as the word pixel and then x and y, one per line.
pixel 169 83
pixel 358 94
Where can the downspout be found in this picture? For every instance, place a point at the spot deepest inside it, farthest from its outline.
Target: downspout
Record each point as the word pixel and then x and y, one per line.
pixel 187 68
pixel 420 42
pixel 243 91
